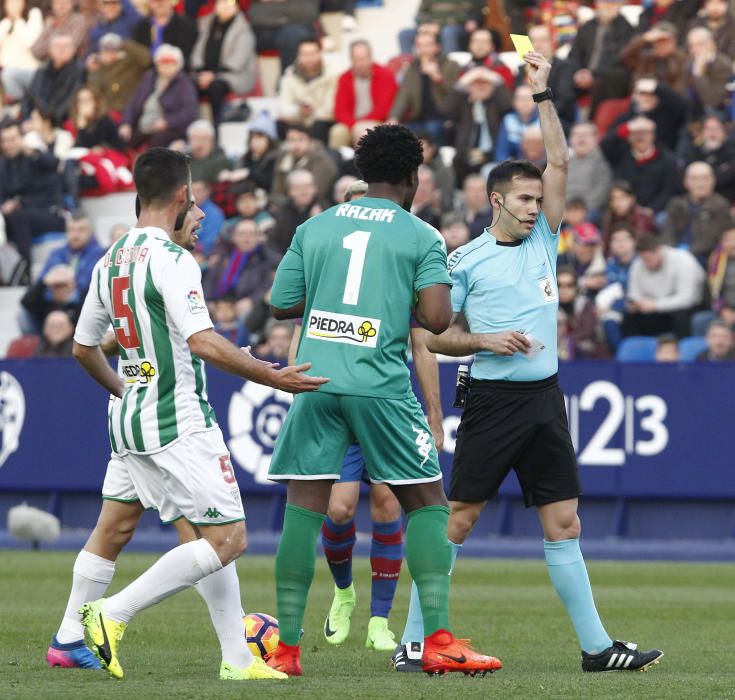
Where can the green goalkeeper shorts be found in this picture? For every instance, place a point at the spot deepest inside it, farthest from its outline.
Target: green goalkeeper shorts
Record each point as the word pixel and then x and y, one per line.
pixel 393 434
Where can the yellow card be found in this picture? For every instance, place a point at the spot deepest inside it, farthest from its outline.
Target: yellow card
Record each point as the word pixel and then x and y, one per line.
pixel 522 43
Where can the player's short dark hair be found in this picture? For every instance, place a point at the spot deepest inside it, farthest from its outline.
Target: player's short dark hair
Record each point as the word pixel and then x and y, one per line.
pixel 503 174
pixel 648 242
pixel 158 173
pixel 388 153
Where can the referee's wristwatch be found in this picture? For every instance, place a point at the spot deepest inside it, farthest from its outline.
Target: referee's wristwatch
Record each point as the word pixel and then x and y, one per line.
pixel 545 95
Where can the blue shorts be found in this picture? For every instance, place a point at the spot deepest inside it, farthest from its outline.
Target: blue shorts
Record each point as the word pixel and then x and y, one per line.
pixel 353 468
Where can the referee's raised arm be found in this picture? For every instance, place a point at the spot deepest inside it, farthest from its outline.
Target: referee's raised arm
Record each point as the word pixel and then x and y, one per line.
pixel 557 152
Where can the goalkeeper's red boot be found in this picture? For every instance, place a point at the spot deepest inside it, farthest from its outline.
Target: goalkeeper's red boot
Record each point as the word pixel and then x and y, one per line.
pixel 286 659
pixel 445 654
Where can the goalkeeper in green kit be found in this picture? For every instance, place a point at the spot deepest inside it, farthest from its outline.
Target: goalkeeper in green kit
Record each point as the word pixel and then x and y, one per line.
pixel 355 273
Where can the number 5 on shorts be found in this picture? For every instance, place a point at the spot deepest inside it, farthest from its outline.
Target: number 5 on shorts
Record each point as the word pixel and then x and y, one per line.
pixel 227 472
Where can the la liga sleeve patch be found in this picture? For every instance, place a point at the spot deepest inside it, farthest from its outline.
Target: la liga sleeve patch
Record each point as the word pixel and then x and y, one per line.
pixel 196 301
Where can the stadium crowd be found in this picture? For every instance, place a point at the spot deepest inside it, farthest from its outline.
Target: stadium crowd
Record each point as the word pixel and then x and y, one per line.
pixel 647 247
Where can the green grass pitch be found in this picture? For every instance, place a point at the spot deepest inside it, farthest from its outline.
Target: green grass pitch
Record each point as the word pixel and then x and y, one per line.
pixel 507 607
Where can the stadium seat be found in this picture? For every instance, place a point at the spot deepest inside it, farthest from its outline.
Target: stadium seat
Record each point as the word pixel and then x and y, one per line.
pixel 689 348
pixel 637 349
pixel 22 347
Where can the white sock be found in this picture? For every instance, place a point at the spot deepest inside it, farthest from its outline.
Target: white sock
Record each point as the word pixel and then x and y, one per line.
pixel 176 570
pixel 221 593
pixel 90 579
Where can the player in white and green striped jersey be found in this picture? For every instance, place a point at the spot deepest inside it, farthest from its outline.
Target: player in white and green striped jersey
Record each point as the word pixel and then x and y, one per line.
pixel 162 428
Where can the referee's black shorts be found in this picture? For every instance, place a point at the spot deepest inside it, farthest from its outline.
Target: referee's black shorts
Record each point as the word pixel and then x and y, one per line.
pixel 514 425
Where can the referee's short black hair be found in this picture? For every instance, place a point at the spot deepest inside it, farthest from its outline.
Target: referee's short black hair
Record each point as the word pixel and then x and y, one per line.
pixel 158 173
pixel 388 153
pixel 504 173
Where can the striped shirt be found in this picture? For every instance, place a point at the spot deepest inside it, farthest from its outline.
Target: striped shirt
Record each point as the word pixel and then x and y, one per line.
pixel 150 290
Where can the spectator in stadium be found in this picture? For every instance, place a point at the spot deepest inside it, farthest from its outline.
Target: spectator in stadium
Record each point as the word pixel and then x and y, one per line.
pixel 446 20
pixel 532 147
pixel 117 17
pixel 55 82
pixel 634 156
pixel 575 213
pixel 63 19
pixel 165 27
pixel 482 53
pixel 243 268
pixel 598 74
pixel 20 26
pixel 426 83
pixel 56 291
pixel 303 152
pixel 656 54
pixel 524 115
pixel 455 232
pixel 695 220
pixel 476 106
pixel 80 252
pixel 610 300
pixel 302 203
pixel 363 97
pixel 277 341
pixel 341 186
pixel 163 105
pixel 667 348
pixel 91 125
pixel 564 342
pixel 721 284
pixel 426 199
pixel 677 12
pixel 717 16
pixel 586 259
pixel 57 336
pixel 720 345
pixel 224 317
pixel 306 92
pixel 623 210
pixel 213 220
pixel 443 176
pixel 713 146
pixel 31 198
pixel 208 159
pixel 709 73
pixel 474 207
pixel 583 325
pixel 561 78
pixel 659 103
pixel 281 26
pixel 665 287
pixel 57 140
pixel 257 165
pixel 224 59
pixel 116 69
pixel 250 203
pixel 589 176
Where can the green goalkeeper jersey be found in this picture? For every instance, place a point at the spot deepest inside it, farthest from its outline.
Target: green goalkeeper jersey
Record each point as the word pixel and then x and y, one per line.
pixel 359 266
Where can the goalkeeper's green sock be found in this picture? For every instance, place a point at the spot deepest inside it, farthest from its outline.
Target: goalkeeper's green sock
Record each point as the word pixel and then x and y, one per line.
pixel 429 557
pixel 295 569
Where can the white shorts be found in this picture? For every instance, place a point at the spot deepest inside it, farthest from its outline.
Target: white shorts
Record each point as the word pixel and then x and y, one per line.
pixel 193 479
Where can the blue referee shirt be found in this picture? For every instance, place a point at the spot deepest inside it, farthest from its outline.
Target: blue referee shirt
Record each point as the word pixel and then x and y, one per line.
pixel 510 287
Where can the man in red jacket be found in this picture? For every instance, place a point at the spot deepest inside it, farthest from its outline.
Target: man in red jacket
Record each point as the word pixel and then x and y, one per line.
pixel 364 96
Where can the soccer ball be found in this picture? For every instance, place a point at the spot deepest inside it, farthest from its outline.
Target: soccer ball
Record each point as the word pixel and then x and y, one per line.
pixel 261 633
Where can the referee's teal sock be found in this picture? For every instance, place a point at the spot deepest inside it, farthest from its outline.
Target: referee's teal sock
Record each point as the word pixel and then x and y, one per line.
pixel 414 630
pixel 569 576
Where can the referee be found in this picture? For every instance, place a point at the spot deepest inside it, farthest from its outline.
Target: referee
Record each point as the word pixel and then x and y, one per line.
pixel 505 285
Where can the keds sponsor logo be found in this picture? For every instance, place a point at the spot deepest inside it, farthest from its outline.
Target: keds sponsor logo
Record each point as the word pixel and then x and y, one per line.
pixel 341 328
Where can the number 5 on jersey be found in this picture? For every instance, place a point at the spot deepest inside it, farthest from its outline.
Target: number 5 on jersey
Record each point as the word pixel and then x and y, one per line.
pixel 125 330
pixel 356 243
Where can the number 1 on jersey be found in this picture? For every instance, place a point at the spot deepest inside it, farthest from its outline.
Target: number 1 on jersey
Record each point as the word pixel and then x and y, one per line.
pixel 357 243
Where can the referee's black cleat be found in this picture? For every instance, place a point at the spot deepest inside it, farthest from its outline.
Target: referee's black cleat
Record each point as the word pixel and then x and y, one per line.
pixel 621 656
pixel 407 657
